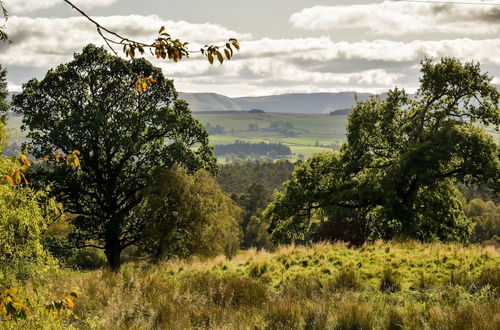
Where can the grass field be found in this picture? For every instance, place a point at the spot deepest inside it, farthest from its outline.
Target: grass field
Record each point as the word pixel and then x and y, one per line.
pixel 379 286
pixel 312 132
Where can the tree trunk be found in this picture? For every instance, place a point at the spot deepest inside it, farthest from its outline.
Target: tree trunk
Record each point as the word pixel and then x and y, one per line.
pixel 113 250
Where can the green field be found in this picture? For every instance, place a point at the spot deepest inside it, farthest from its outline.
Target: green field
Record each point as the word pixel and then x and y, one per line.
pixel 324 286
pixel 312 133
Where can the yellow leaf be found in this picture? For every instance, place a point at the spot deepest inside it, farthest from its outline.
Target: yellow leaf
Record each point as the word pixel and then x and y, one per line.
pixel 25 162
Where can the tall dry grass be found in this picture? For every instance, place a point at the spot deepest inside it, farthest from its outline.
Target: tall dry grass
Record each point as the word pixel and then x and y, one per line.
pixel 320 287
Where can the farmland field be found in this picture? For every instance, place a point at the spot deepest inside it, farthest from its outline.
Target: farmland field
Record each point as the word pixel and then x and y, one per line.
pixel 308 133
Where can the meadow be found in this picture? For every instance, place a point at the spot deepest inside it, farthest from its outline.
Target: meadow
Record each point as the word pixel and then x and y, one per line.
pixel 404 285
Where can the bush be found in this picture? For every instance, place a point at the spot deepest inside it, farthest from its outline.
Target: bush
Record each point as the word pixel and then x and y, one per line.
pixel 346 279
pixel 490 276
pixel 23 216
pixel 302 286
pixel 390 282
pixel 88 258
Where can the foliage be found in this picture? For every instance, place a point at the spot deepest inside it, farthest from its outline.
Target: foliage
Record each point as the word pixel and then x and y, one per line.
pixel 486 216
pixel 261 148
pixel 253 202
pixel 187 215
pixel 90 105
pixel 250 185
pixel 3 35
pixel 24 214
pixel 235 178
pixel 396 173
pixel 12 306
pixel 4 92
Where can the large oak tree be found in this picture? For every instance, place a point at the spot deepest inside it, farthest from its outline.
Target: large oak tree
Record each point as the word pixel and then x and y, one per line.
pixel 395 175
pixel 91 104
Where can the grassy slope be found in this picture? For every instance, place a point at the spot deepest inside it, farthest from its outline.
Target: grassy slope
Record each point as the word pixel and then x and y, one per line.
pixel 321 287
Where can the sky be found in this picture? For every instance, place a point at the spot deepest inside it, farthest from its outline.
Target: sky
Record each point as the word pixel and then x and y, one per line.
pixel 287 46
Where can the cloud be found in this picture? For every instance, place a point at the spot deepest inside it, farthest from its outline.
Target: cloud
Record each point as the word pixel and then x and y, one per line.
pixel 43 42
pixel 263 66
pixel 400 18
pixel 13 87
pixel 24 6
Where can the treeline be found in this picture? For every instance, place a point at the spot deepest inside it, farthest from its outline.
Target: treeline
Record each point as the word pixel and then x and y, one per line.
pixel 251 184
pixel 246 148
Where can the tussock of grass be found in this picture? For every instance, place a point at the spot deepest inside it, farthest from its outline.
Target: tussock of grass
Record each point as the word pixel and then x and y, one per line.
pixel 326 286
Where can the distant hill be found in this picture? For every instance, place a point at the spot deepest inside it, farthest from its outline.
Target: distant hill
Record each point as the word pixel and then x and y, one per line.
pixel 340 112
pixel 210 102
pixel 302 102
pixel 285 103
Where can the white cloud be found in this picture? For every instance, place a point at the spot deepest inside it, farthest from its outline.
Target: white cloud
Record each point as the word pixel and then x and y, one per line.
pixel 43 42
pixel 399 18
pixel 24 6
pixel 262 67
pixel 13 87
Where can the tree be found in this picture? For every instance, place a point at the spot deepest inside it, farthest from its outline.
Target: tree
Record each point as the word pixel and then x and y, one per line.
pixel 4 105
pixel 395 175
pixel 24 213
pixel 188 215
pixel 89 105
pixel 3 35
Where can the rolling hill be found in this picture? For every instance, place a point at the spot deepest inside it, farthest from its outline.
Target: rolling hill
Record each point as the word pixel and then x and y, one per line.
pixel 284 103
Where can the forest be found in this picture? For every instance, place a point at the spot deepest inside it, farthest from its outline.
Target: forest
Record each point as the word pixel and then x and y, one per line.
pixel 117 214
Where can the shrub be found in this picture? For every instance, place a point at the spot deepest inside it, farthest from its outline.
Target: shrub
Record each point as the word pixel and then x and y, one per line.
pixel 88 258
pixel 490 276
pixel 390 282
pixel 316 317
pixel 302 286
pixel 346 279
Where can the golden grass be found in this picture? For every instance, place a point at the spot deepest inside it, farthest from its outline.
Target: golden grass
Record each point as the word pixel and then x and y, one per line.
pixel 325 286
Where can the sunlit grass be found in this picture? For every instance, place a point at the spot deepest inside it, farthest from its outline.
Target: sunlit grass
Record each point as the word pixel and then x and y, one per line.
pixel 325 286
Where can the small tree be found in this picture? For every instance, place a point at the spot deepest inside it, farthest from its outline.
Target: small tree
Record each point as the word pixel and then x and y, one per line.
pixel 396 173
pixel 188 215
pixel 92 105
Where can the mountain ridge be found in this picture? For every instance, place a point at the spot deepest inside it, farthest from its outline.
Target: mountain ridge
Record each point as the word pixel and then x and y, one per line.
pixel 283 103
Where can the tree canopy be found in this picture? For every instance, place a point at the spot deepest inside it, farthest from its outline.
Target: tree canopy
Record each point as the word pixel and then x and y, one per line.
pixel 91 106
pixel 395 175
pixel 188 215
